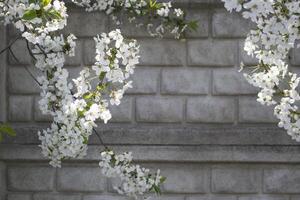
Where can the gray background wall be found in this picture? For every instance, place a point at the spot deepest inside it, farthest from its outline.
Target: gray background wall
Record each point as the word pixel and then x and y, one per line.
pixel 190 113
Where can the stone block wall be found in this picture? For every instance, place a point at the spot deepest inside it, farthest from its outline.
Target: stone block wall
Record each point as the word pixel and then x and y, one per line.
pixel 190 113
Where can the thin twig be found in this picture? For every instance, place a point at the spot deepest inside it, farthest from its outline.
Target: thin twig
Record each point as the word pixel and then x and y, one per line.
pixel 10 44
pixel 29 50
pixel 48 52
pixel 95 131
pixel 30 73
pixel 32 76
pixel 13 55
pixel 100 139
pixel 26 68
pixel 42 50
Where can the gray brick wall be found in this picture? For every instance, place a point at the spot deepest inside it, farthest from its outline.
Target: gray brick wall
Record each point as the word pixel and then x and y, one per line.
pixel 190 113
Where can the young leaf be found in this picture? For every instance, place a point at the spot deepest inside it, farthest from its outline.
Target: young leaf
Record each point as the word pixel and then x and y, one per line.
pixel 102 75
pixel 29 15
pixel 45 2
pixel 85 140
pixel 152 3
pixel 193 25
pixel 156 189
pixel 88 95
pixel 54 14
pixel 81 113
pixel 163 179
pixel 4 128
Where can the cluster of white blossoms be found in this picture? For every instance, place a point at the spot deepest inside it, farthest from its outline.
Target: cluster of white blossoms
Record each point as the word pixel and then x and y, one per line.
pixel 161 18
pixel 75 106
pixel 134 180
pixel 75 114
pixel 63 139
pixel 278 26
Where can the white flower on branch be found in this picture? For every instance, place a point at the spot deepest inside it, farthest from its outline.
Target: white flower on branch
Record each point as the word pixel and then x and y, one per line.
pixel 134 179
pixel 278 25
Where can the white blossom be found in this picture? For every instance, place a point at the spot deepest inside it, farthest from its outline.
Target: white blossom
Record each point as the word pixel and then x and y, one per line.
pixel 278 24
pixel 134 179
pixel 168 19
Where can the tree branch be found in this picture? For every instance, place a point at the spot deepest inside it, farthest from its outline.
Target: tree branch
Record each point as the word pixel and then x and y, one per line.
pixel 34 78
pixel 29 50
pixel 10 44
pixel 26 68
pixel 100 139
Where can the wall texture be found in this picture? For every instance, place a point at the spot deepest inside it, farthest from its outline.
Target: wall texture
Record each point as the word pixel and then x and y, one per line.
pixel 190 113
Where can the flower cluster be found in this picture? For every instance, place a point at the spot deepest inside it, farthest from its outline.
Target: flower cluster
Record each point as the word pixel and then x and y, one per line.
pixel 278 25
pixel 37 16
pixel 75 106
pixel 75 114
pixel 161 18
pixel 135 180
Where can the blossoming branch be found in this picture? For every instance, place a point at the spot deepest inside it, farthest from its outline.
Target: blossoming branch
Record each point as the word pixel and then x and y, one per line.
pixel 278 26
pixel 75 106
pixel 159 18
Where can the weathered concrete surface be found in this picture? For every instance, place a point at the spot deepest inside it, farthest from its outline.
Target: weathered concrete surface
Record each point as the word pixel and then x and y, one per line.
pixel 189 113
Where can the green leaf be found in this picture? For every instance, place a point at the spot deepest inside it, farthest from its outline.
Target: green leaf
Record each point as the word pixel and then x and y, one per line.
pixel 102 75
pixel 29 15
pixel 54 14
pixel 88 95
pixel 4 128
pixel 32 1
pixel 100 87
pixel 45 2
pixel 152 3
pixel 80 113
pixel 85 140
pixel 89 104
pixel 156 189
pixel 163 179
pixel 158 6
pixel 193 25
